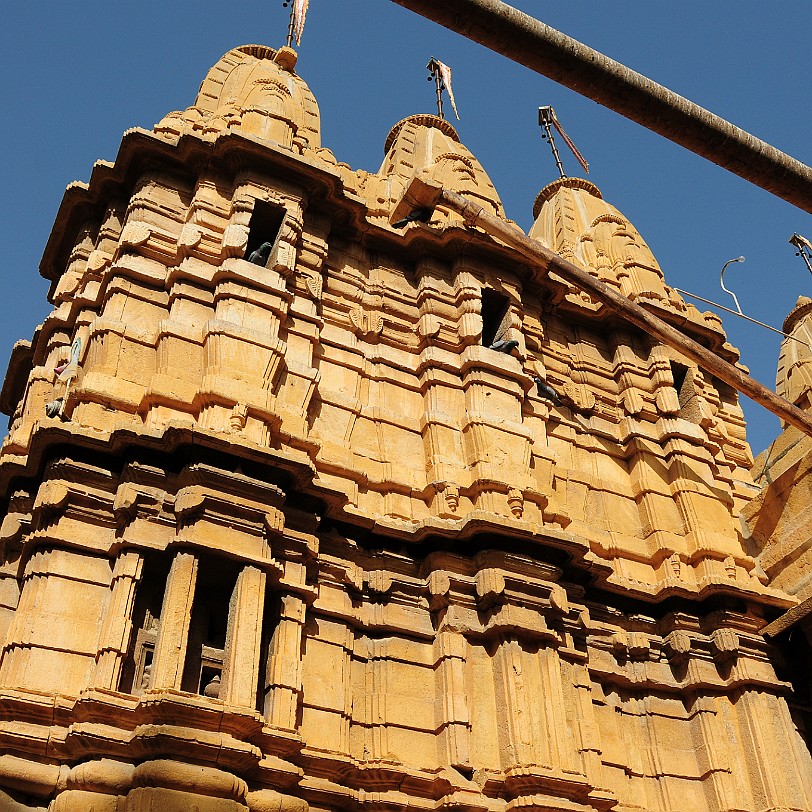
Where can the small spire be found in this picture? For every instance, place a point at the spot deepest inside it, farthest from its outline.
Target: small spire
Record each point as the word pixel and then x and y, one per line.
pixel 441 74
pixel 548 120
pixel 298 12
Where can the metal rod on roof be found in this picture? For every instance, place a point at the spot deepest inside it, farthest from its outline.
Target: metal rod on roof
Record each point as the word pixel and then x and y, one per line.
pixel 545 120
pixel 551 53
pixel 740 315
pixel 804 249
pixel 434 69
pixel 291 22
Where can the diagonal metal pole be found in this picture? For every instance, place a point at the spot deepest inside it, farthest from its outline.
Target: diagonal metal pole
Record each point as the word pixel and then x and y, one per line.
pixel 425 196
pixel 535 45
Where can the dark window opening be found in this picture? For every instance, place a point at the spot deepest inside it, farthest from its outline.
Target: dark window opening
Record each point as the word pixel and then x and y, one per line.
pixel 679 373
pixel 270 620
pixel 136 673
pixel 205 650
pixel 495 316
pixel 266 221
pixel 727 394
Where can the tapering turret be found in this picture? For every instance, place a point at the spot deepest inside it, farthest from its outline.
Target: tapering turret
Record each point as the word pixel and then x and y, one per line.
pixel 253 89
pixel 794 378
pixel 429 145
pixel 573 219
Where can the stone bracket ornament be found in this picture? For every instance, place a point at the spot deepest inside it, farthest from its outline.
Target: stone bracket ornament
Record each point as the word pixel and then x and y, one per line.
pixel 439 587
pixel 283 258
pixel 579 395
pixel 490 588
pixel 379 582
pixel 190 236
pixel 451 495
pixel 515 500
pixel 366 324
pixel 235 239
pixel 314 283
pixel 726 642
pixel 678 645
pixel 238 417
pixel 134 234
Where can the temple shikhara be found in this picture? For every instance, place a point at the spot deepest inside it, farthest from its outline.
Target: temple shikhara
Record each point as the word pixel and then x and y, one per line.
pixel 304 511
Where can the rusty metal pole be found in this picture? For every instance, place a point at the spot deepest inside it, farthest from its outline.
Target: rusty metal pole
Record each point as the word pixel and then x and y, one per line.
pixel 541 256
pixel 535 45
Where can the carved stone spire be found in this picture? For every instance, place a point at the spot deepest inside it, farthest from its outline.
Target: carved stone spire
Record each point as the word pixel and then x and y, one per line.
pixel 253 89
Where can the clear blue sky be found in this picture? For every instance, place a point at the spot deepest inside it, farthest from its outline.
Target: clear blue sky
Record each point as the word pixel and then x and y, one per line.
pixel 77 75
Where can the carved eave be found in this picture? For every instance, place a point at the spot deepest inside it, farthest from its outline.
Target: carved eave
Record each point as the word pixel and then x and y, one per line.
pixel 19 367
pixel 141 150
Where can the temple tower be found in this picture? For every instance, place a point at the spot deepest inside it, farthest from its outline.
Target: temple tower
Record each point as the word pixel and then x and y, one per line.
pixel 283 530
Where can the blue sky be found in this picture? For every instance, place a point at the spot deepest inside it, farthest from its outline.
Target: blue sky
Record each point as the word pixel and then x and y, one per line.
pixel 77 75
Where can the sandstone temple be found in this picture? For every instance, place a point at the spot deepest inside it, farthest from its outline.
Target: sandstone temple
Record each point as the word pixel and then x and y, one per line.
pixel 281 531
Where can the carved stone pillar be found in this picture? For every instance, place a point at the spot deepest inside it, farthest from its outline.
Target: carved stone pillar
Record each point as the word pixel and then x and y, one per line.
pixel 450 651
pixel 243 639
pixel 519 732
pixel 284 673
pixel 715 752
pixel 117 629
pixel 769 737
pixel 588 736
pixel 176 615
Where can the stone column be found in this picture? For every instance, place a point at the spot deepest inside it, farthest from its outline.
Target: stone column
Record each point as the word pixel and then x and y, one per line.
pixel 519 731
pixel 715 752
pixel 768 738
pixel 176 615
pixel 114 639
pixel 561 748
pixel 243 639
pixel 284 672
pixel 455 723
pixel 588 735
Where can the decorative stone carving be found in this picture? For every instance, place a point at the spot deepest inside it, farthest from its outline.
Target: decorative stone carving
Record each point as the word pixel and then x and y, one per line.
pixel 516 502
pixel 365 324
pixel 239 414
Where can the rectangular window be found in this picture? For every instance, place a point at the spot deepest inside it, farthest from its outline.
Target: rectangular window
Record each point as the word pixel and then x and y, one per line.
pixel 679 373
pixel 495 316
pixel 207 630
pixel 263 229
pixel 137 669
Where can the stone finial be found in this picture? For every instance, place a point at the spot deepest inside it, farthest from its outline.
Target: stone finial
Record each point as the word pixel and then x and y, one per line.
pixel 253 89
pixel 428 145
pixel 573 219
pixel 794 376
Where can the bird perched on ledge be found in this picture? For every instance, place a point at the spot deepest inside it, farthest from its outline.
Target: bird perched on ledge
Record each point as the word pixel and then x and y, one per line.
pixel 506 347
pixel 546 391
pixel 260 256
pixel 421 215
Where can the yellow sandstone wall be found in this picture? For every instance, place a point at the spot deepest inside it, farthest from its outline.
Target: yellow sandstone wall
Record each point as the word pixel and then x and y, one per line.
pixel 291 534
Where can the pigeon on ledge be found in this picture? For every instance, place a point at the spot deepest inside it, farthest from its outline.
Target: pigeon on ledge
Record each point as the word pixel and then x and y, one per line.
pixel 546 391
pixel 421 215
pixel 260 256
pixel 506 347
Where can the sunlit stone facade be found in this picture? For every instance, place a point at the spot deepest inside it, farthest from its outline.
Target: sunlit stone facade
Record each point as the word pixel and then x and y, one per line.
pixel 282 530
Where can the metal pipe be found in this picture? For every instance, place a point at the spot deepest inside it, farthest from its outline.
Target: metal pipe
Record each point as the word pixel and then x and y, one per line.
pixel 740 315
pixel 722 283
pixel 535 45
pixel 542 256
